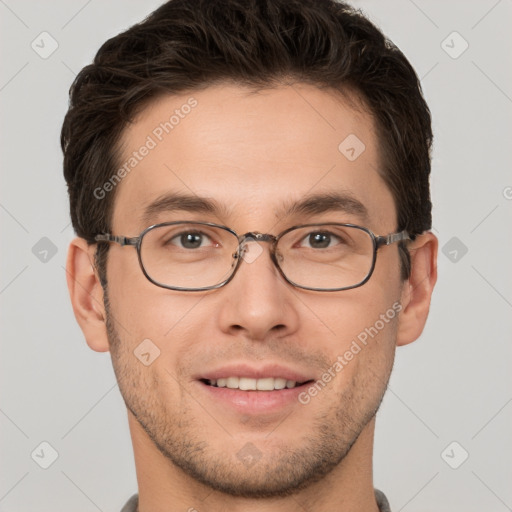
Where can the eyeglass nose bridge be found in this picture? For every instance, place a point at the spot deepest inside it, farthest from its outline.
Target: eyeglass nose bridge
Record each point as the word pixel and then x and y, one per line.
pixel 255 236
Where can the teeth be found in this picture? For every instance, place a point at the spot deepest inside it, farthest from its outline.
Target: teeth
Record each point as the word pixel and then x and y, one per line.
pixel 279 383
pixel 232 382
pixel 248 384
pixel 266 384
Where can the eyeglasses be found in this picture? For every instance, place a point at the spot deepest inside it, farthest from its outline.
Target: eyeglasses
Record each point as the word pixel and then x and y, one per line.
pixel 198 256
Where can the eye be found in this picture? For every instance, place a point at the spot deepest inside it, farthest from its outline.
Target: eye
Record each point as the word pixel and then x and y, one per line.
pixel 320 240
pixel 190 240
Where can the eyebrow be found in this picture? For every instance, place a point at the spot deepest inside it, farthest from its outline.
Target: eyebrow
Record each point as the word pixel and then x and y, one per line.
pixel 181 202
pixel 310 205
pixel 324 203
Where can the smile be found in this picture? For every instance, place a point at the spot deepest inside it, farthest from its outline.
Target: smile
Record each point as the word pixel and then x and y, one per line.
pixel 250 384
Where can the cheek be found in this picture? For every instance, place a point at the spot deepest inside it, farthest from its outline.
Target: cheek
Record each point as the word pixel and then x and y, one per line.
pixel 157 326
pixel 142 309
pixel 351 313
pixel 362 328
pixel 362 352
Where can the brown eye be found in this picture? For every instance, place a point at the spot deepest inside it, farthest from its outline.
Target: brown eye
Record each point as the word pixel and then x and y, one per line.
pixel 190 240
pixel 320 240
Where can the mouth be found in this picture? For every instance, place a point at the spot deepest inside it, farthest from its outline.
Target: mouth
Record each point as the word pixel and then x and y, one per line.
pixel 252 384
pixel 250 389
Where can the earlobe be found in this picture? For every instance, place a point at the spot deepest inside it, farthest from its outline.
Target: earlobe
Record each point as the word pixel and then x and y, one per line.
pixel 417 290
pixel 86 294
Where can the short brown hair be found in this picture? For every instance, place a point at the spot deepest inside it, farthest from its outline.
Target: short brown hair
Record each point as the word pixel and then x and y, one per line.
pixel 192 44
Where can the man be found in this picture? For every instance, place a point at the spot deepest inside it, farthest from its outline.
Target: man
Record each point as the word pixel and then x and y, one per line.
pixel 248 181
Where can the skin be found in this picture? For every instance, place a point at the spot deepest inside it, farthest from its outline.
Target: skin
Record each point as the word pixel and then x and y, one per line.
pixel 252 152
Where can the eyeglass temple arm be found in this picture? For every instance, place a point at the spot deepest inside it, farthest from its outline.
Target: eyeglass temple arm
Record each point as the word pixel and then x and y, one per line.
pixel 392 238
pixel 121 240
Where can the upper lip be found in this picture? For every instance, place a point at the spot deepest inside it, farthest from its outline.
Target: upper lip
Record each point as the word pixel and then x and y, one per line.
pixel 255 372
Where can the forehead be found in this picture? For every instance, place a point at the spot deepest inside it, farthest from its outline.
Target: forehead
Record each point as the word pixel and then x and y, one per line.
pixel 252 153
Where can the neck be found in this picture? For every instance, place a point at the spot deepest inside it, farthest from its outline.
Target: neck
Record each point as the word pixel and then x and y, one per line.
pixel 165 487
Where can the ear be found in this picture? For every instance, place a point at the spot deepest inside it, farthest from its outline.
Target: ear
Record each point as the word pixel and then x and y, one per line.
pixel 417 290
pixel 86 294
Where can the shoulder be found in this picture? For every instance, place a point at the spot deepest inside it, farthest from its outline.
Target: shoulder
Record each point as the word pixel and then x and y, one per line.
pixel 382 501
pixel 132 504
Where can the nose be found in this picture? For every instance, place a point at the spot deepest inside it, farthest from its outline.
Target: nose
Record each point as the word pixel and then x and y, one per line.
pixel 257 302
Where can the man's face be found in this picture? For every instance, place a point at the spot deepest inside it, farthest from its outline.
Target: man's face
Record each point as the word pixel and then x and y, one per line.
pixel 253 154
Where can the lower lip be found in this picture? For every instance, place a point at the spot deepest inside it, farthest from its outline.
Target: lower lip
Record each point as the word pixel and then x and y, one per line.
pixel 255 402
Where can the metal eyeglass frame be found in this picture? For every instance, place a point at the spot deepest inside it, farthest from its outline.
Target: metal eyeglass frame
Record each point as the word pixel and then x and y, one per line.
pixel 378 242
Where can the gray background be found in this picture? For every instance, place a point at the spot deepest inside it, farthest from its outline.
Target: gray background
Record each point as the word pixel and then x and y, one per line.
pixel 452 385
